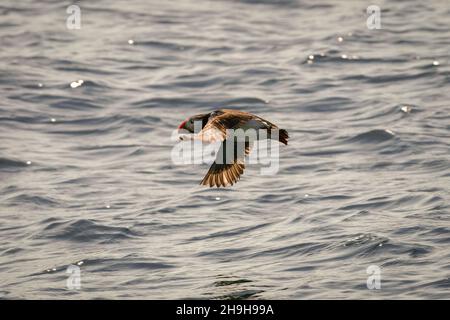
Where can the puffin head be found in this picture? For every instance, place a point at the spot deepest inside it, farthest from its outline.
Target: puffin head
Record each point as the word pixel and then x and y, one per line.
pixel 188 124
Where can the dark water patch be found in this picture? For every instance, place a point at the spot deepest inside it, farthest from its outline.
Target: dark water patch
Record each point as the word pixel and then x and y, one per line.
pixel 441 284
pixel 326 152
pixel 335 57
pixel 114 118
pixel 168 103
pixel 396 148
pixel 162 210
pixel 223 283
pixel 228 254
pixel 418 252
pixel 365 245
pixel 11 9
pixel 163 45
pixel 438 234
pixel 141 67
pixel 436 164
pixel 337 197
pixel 233 288
pixel 86 132
pixel 332 104
pixel 261 72
pixel 357 214
pixel 434 199
pixel 128 262
pixel 12 251
pixel 77 104
pixel 242 101
pixel 200 83
pixel 44 201
pixel 409 230
pixel 231 232
pixel 298 249
pixel 160 227
pixel 85 70
pixel 137 152
pixel 84 230
pixel 37 97
pixel 388 114
pixel 103 125
pixel 25 119
pixel 274 3
pixel 406 76
pixel 301 269
pixel 276 198
pixel 49 220
pixel 106 266
pixel 363 239
pixel 392 202
pixel 366 205
pixel 373 136
pixel 6 163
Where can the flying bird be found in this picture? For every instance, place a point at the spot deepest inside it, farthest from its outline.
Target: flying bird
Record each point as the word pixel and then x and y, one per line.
pixel 215 127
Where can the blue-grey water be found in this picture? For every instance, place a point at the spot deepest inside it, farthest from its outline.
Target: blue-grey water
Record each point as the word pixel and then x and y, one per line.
pixel 86 176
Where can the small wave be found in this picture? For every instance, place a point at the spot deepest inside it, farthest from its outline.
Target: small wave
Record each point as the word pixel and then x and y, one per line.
pixel 243 101
pixel 228 233
pixel 35 200
pixel 112 266
pixel 74 104
pixel 223 283
pixel 85 231
pixel 331 104
pixel 363 239
pixel 6 163
pixel 281 3
pixel 367 244
pixel 170 103
pixel 390 77
pixel 338 57
pixel 165 45
pixel 373 136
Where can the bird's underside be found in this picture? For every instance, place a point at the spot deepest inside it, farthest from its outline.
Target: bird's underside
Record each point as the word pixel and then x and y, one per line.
pixel 229 164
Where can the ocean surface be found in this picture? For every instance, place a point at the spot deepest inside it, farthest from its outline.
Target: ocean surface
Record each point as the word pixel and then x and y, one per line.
pixel 87 178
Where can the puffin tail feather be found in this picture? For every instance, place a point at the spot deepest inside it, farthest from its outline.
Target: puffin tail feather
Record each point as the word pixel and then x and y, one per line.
pixel 283 136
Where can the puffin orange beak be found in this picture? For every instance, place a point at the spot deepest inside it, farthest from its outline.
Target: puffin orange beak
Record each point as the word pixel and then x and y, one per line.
pixel 181 126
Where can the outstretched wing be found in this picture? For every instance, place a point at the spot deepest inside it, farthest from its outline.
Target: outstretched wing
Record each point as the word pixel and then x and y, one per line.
pixel 228 166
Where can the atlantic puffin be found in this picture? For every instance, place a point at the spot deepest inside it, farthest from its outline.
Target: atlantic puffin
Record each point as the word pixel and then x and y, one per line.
pixel 214 126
